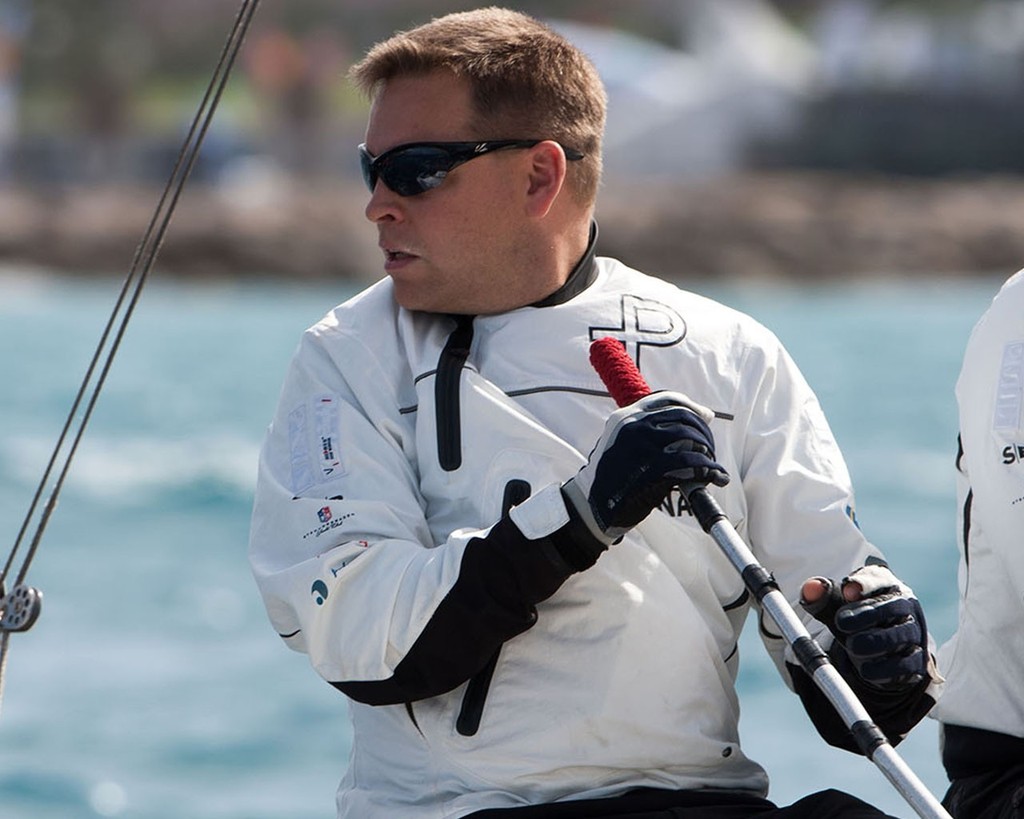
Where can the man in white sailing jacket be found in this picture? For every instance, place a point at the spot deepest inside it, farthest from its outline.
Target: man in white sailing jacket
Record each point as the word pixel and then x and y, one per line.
pixel 982 707
pixel 455 523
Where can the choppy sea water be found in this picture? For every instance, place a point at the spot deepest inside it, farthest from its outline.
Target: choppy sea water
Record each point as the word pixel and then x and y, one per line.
pixel 152 686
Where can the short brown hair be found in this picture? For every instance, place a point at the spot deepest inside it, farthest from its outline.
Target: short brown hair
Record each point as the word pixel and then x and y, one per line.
pixel 527 80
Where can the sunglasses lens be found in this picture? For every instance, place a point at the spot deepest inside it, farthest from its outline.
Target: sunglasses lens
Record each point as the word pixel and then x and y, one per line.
pixel 366 166
pixel 416 169
pixel 407 171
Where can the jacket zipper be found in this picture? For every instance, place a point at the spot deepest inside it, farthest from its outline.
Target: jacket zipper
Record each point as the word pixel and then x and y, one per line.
pixel 446 393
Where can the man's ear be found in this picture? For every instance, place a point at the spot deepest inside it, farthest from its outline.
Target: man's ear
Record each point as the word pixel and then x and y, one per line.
pixel 548 168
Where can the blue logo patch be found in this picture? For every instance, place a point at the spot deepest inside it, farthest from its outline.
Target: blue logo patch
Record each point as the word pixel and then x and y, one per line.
pixel 852 515
pixel 319 592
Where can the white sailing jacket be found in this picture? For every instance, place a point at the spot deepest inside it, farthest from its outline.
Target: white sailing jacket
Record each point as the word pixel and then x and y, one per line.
pixel 482 671
pixel 984 661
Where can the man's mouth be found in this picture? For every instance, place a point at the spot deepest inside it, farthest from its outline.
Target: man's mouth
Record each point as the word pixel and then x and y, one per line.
pixel 396 255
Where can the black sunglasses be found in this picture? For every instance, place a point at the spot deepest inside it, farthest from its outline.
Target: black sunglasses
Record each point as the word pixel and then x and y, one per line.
pixel 417 167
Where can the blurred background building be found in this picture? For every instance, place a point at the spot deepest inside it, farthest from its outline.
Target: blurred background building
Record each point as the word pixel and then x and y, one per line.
pixel 702 92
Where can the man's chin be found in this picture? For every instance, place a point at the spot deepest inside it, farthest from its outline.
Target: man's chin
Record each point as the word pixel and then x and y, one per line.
pixel 414 298
pixel 427 300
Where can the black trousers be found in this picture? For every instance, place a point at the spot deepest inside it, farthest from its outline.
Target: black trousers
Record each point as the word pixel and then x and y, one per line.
pixel 650 803
pixel 998 795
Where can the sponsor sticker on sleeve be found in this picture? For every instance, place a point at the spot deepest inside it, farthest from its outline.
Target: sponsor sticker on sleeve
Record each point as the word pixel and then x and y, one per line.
pixel 1010 390
pixel 298 431
pixel 314 443
pixel 326 429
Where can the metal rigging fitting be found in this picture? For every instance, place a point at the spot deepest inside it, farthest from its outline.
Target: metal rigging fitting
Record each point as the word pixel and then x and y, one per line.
pixel 20 609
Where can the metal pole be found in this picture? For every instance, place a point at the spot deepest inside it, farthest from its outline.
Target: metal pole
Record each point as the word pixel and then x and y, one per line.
pixel 813 658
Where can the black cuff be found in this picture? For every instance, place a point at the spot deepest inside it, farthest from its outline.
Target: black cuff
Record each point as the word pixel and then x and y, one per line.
pixel 894 711
pixel 574 542
pixel 968 752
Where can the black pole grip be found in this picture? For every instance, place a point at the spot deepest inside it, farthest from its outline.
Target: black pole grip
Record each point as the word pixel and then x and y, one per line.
pixel 704 507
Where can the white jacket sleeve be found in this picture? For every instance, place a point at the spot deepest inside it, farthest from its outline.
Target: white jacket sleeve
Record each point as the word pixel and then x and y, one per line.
pixel 801 523
pixel 990 397
pixel 343 555
pixel 800 500
pixel 984 660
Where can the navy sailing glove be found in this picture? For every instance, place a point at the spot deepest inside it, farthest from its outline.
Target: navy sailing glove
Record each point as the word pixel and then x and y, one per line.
pixel 646 449
pixel 881 649
pixel 883 632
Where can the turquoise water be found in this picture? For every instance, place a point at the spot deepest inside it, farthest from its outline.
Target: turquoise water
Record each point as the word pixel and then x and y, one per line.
pixel 152 686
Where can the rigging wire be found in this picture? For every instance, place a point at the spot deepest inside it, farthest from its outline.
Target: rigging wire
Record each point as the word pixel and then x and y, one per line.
pixel 13 615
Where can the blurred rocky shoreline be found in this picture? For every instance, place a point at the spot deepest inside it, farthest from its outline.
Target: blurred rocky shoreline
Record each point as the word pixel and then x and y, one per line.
pixel 798 226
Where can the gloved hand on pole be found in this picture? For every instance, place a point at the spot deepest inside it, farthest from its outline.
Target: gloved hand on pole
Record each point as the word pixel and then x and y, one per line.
pixel 648 447
pixel 878 623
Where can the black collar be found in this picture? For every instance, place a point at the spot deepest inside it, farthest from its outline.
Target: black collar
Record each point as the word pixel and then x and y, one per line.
pixel 580 279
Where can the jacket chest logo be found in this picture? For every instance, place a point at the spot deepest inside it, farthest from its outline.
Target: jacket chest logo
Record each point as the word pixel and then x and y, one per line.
pixel 644 322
